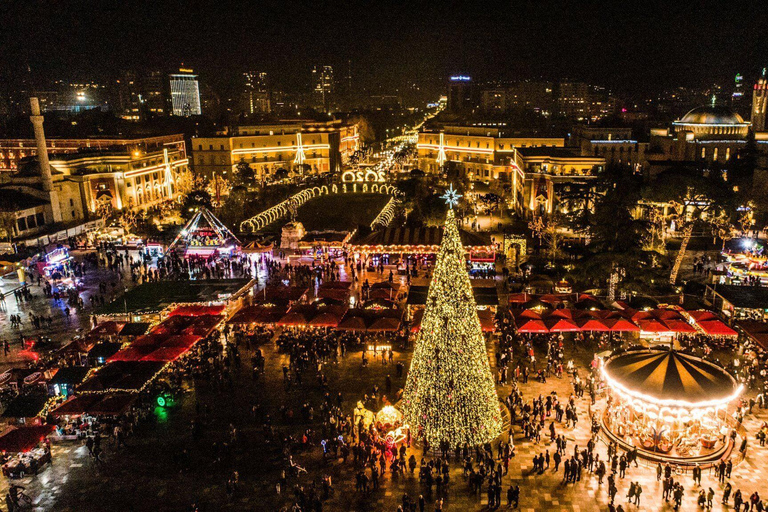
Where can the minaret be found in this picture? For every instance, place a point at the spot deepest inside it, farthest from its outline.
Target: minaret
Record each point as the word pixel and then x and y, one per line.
pixel 42 158
pixel 759 100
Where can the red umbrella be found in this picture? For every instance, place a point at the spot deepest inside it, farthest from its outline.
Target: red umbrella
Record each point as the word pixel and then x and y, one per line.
pixel 679 326
pixel 593 324
pixel 532 325
pixel 352 323
pixel 562 313
pixel 641 315
pixel 293 318
pixel 325 320
pixel 621 325
pixel 666 314
pixel 652 325
pixel 385 324
pixel 22 439
pixel 562 325
pixel 519 298
pixel 703 315
pixel 716 328
pixel 528 314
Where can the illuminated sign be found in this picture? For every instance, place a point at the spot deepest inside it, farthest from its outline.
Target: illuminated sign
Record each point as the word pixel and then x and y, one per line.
pixel 460 78
pixel 368 175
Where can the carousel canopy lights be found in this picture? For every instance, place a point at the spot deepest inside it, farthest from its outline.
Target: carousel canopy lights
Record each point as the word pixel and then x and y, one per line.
pixel 669 378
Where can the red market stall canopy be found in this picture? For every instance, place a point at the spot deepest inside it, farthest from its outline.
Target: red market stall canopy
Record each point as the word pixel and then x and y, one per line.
pixel 532 326
pixel 519 298
pixel 313 315
pixel 22 439
pixel 326 319
pixel 128 376
pixel 385 324
pixel 334 290
pixel 383 320
pixel 260 314
pixel 109 328
pixel 592 324
pixel 652 325
pixel 561 325
pixel 278 293
pixel 711 324
pixel 716 328
pixel 110 404
pixel 352 323
pixel 621 325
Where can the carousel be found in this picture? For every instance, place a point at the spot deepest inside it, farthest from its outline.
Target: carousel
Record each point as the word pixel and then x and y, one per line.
pixel 205 235
pixel 670 406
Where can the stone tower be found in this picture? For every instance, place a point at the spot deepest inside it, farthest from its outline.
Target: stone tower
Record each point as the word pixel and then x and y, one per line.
pixel 46 177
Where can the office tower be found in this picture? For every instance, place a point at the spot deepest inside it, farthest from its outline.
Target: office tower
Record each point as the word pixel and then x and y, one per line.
pixel 185 94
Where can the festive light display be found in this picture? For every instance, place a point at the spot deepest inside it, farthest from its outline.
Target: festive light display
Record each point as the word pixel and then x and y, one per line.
pixel 450 394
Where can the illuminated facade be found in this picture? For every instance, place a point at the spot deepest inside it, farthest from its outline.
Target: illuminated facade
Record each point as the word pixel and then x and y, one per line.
pixel 709 136
pixel 185 94
pixel 77 185
pixel 535 167
pixel 308 147
pixel 120 179
pixel 13 150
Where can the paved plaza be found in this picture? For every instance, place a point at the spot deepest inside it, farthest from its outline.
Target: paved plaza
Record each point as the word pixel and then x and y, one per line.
pixel 163 468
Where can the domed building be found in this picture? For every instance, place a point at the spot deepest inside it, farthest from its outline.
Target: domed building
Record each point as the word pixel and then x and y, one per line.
pixel 710 136
pixel 713 122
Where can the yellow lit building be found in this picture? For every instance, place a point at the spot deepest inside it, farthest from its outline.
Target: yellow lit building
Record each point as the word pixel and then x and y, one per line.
pixel 534 167
pixel 137 180
pixel 302 147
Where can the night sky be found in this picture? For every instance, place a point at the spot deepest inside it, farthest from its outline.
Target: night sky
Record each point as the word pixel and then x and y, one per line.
pixel 627 46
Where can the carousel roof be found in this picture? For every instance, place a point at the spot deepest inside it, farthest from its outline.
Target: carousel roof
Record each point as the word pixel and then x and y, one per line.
pixel 669 377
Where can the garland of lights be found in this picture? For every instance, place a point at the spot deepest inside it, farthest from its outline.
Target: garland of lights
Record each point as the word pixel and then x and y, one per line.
pixel 450 393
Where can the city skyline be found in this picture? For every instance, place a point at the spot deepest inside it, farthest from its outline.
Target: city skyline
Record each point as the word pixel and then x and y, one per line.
pixel 636 48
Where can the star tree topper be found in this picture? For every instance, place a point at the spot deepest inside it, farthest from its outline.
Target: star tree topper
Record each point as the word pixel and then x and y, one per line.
pixel 451 197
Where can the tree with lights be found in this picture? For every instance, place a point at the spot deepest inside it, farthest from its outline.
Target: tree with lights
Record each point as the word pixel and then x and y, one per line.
pixel 450 394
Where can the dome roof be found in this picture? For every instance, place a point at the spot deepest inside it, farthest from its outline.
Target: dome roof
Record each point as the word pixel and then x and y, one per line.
pixel 670 377
pixel 712 115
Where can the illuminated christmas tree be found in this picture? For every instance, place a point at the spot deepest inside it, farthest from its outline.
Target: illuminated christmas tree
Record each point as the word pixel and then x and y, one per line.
pixel 450 393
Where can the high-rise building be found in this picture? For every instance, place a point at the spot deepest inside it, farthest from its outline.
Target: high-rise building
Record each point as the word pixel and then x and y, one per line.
pixel 153 93
pixel 185 94
pixel 759 101
pixel 256 96
pixel 460 94
pixel 322 86
pixel 128 97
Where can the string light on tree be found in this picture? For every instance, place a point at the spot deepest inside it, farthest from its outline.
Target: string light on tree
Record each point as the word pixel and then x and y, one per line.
pixel 450 393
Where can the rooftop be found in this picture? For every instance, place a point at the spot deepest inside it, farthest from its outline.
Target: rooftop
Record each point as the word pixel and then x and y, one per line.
pixel 712 115
pixel 154 297
pixel 747 297
pixel 13 200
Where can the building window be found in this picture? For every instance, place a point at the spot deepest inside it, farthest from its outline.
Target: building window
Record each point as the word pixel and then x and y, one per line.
pixel 727 153
pixel 703 153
